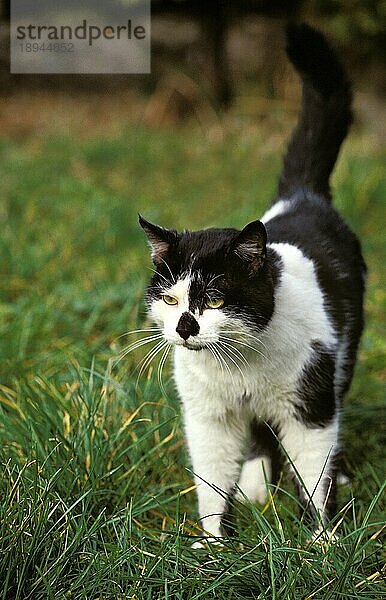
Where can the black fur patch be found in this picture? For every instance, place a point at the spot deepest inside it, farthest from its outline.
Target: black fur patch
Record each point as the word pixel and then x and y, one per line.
pixel 228 518
pixel 264 442
pixel 316 389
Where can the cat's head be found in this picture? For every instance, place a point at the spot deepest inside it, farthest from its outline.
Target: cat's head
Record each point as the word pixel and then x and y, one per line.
pixel 208 282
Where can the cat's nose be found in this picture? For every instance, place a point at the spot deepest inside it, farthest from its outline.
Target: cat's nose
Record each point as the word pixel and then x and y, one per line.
pixel 187 326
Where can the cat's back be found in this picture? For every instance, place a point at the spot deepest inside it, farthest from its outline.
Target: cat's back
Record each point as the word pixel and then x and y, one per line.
pixel 312 225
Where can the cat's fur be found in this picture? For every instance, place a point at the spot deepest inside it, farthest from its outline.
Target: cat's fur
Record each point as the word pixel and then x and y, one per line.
pixel 262 377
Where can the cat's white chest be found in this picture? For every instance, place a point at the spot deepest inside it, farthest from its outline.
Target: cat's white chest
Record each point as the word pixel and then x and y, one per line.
pixel 212 388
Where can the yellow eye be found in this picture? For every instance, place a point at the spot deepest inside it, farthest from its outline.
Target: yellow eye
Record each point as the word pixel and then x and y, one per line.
pixel 169 300
pixel 214 303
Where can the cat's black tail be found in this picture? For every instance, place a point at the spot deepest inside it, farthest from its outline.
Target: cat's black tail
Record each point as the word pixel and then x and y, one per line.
pixel 325 114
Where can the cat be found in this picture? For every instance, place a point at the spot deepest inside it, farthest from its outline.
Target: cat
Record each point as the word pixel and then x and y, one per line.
pixel 265 322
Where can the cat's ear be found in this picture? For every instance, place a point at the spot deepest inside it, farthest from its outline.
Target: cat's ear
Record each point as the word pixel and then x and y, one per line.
pixel 250 245
pixel 160 239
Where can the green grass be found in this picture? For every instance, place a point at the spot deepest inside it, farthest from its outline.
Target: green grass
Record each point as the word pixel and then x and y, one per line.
pixel 96 498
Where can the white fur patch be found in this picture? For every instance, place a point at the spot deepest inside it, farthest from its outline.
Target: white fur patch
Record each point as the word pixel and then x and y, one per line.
pixel 300 315
pixel 280 207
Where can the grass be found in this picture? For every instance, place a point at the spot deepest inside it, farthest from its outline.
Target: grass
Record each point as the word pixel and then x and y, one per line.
pixel 96 494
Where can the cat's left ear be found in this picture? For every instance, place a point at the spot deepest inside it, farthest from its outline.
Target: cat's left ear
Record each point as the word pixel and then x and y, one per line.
pixel 250 245
pixel 160 239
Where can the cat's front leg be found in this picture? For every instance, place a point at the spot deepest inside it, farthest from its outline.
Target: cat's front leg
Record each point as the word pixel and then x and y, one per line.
pixel 216 446
pixel 310 451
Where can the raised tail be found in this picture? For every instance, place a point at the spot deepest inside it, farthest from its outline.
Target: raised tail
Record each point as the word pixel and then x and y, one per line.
pixel 325 113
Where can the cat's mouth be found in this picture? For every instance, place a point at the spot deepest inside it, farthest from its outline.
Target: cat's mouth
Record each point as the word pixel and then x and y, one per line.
pixel 189 344
pixel 191 347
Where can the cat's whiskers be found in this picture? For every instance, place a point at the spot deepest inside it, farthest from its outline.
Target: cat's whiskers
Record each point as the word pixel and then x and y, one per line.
pixel 244 333
pixel 143 339
pixel 149 357
pixel 215 277
pixel 236 352
pixel 227 355
pixel 212 289
pixel 245 345
pixel 169 269
pixel 156 335
pixel 137 344
pixel 216 359
pixel 160 368
pixel 137 331
pixel 160 275
pixel 217 356
pixel 208 347
pixel 216 350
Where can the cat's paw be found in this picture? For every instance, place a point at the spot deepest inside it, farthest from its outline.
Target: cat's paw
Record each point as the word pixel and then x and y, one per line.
pixel 204 542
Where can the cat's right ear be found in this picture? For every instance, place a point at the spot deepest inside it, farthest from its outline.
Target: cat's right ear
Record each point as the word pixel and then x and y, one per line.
pixel 250 245
pixel 160 239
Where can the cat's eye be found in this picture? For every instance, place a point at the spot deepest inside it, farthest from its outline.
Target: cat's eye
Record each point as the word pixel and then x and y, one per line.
pixel 169 300
pixel 214 303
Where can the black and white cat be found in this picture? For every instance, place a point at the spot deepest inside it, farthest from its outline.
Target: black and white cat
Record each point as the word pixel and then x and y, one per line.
pixel 265 322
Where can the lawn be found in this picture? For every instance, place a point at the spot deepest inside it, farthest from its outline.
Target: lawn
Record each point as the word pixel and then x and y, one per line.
pixel 97 500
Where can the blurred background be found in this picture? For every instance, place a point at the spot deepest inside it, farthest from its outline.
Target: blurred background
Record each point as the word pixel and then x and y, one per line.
pixel 206 57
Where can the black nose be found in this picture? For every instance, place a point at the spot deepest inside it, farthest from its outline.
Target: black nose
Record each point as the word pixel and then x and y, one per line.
pixel 187 325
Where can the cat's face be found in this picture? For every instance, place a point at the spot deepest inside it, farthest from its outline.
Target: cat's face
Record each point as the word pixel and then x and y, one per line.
pixel 209 282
